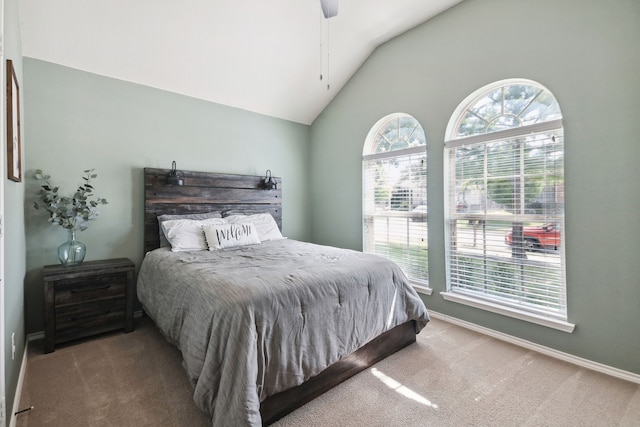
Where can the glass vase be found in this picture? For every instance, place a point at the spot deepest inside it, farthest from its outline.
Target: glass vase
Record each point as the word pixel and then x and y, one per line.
pixel 72 251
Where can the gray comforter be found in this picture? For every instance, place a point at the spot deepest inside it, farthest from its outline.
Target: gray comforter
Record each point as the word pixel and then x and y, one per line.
pixel 255 320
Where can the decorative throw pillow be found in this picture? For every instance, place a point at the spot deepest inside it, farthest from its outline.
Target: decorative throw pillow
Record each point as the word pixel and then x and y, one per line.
pixel 230 235
pixel 187 234
pixel 264 222
pixel 162 218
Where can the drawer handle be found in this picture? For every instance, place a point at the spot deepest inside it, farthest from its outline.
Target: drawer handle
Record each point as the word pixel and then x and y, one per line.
pixel 77 291
pixel 74 318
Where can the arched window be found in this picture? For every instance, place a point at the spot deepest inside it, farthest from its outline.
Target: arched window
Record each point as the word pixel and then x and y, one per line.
pixel 394 165
pixel 504 203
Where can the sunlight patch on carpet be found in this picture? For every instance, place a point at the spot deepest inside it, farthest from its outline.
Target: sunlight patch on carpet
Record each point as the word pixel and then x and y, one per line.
pixel 399 388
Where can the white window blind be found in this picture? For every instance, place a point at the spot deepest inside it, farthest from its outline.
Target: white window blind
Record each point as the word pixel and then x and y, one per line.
pixel 395 196
pixel 504 212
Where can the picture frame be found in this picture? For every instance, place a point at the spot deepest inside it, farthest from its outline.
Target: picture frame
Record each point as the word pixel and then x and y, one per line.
pixel 14 149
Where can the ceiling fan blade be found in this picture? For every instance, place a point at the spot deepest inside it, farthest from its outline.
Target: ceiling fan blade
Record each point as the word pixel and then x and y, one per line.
pixel 329 8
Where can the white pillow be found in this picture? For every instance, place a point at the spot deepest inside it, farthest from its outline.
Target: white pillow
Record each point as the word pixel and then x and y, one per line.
pixel 162 218
pixel 230 235
pixel 187 234
pixel 264 222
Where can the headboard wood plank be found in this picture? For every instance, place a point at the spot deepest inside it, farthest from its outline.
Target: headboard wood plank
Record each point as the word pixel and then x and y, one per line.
pixel 204 192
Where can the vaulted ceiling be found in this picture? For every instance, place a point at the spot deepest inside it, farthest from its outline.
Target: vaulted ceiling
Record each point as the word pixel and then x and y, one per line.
pixel 264 56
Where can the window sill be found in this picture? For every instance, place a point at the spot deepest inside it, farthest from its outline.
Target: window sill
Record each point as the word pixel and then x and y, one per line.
pixel 422 289
pixel 510 312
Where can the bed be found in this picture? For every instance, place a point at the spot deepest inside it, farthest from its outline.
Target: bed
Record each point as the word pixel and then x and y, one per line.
pixel 265 328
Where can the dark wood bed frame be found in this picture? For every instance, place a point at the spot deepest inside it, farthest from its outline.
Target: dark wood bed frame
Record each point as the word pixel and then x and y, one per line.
pixel 243 194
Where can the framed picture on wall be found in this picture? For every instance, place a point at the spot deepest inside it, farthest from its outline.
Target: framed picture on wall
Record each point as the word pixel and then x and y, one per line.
pixel 14 151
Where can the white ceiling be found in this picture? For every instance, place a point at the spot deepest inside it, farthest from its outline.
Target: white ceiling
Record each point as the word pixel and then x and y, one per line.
pixel 264 56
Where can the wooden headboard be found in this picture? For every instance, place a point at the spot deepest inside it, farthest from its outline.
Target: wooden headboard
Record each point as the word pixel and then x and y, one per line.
pixel 204 192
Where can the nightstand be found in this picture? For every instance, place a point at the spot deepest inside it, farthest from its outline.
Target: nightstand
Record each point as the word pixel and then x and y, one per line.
pixel 87 299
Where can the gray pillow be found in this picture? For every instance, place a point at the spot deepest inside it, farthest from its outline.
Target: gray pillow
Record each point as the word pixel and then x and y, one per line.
pixel 163 240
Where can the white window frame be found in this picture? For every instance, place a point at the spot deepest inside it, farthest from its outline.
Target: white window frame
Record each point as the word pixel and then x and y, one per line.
pixel 415 223
pixel 488 301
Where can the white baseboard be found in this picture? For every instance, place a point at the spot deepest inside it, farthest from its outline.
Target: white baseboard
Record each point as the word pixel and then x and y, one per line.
pixel 585 363
pixel 18 393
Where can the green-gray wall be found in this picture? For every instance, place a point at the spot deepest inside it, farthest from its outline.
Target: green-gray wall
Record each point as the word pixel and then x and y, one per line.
pixel 78 120
pixel 586 53
pixel 14 239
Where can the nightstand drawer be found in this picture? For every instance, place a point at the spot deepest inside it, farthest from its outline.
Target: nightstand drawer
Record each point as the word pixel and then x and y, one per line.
pixel 90 313
pixel 71 291
pixel 89 318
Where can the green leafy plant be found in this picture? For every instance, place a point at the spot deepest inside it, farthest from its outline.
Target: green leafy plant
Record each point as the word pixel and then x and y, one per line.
pixel 72 213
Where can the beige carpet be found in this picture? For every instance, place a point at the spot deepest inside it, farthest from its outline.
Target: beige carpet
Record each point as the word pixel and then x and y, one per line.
pixel 450 377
